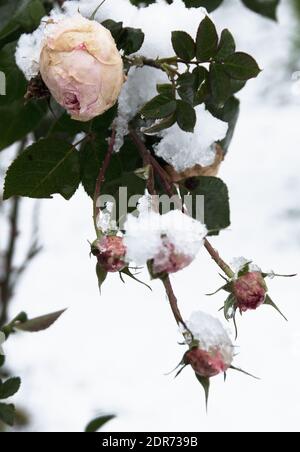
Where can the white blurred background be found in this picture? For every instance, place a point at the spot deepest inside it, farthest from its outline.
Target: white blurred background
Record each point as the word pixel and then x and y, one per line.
pixel 110 353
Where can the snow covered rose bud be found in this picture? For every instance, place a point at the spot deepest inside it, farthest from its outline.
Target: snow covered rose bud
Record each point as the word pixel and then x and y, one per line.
pixel 110 252
pixel 206 364
pixel 169 259
pixel 168 242
pixel 211 351
pixel 81 66
pixel 250 291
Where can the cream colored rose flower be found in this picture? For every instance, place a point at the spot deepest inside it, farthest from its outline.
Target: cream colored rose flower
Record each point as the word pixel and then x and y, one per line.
pixel 82 67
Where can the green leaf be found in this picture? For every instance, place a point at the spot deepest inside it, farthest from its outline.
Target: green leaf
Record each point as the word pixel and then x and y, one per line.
pixel 220 85
pixel 166 89
pixel 47 167
pixel 9 387
pixel 243 372
pixel 202 85
pixel 229 307
pixel 216 202
pixel 241 66
pixel 101 275
pixel 210 5
pixel 15 14
pixel 183 45
pixel 226 46
pixel 164 124
pixel 159 107
pixel 15 80
pixel 114 27
pixel 131 40
pixel 205 383
pixel 267 8
pixel 39 323
pixel 98 423
pixel 134 186
pixel 7 414
pixel 207 40
pixel 66 128
pixel 17 120
pixel 270 302
pixel 128 39
pixel 2 360
pixel 126 271
pixel 186 87
pixel 91 159
pixel 186 116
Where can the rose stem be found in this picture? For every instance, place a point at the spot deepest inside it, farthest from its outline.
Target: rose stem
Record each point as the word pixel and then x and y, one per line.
pixel 101 178
pixel 148 159
pixel 168 187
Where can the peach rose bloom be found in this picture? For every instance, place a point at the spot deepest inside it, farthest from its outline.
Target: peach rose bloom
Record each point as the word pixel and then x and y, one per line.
pixel 82 67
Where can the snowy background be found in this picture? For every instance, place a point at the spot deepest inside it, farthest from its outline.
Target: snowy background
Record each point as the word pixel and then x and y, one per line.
pixel 111 352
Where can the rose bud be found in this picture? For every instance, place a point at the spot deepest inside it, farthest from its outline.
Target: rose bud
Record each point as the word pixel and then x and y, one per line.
pixel 206 364
pixel 169 260
pixel 211 350
pixel 82 67
pixel 110 252
pixel 250 291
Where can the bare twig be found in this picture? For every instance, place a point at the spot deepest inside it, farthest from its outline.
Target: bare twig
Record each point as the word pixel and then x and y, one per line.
pixel 10 275
pixel 5 283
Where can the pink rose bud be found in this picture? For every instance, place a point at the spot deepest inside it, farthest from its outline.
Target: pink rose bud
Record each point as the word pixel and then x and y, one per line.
pixel 250 291
pixel 206 364
pixel 168 260
pixel 82 67
pixel 110 252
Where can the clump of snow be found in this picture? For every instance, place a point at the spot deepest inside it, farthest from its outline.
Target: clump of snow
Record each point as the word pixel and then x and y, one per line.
pixel 105 221
pixel 29 47
pixel 211 335
pixel 184 150
pixel 144 234
pixel 238 263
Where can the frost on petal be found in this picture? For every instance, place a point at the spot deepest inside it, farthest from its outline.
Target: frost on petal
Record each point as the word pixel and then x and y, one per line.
pixel 211 335
pixel 184 150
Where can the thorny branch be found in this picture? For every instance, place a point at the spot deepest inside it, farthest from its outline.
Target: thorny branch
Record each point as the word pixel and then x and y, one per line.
pixel 169 188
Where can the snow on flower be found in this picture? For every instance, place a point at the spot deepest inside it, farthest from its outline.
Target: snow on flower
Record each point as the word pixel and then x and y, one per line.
pixel 238 263
pixel 2 340
pixel 184 150
pixel 171 240
pixel 215 351
pixel 105 222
